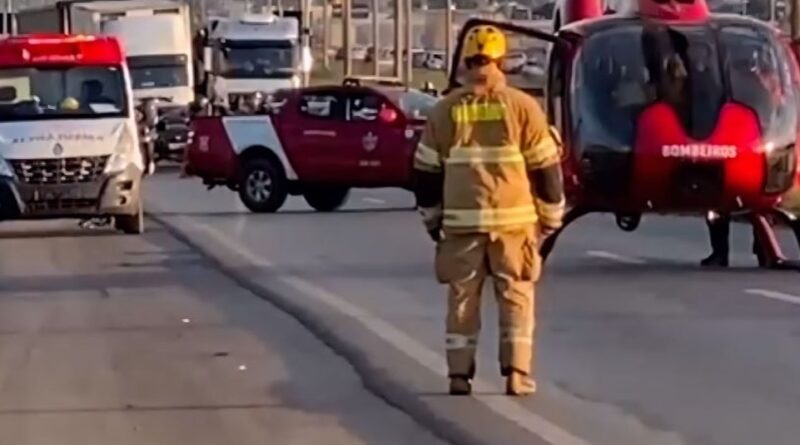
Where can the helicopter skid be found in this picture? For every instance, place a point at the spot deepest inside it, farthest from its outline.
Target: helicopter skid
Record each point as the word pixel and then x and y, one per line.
pixel 769 252
pixel 767 249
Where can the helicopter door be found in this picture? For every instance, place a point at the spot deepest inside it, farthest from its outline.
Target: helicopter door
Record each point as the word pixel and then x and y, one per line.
pixel 525 64
pixel 554 103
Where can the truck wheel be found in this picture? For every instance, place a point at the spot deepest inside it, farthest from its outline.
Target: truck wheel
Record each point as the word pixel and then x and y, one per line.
pixel 326 199
pixel 131 224
pixel 263 187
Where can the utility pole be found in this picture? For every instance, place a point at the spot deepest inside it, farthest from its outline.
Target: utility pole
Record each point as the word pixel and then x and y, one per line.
pixel 398 39
pixel 376 39
pixel 409 18
pixel 8 23
pixel 306 37
pixel 326 34
pixel 347 35
pixel 448 36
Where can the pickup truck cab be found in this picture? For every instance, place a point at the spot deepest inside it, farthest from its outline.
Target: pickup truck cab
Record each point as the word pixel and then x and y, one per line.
pixel 69 142
pixel 318 142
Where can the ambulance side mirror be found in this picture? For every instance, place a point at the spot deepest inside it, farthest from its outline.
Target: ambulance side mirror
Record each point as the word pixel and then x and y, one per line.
pixel 208 54
pixel 199 105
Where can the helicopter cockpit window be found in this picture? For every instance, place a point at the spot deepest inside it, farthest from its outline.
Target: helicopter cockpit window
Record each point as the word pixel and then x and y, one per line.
pixel 760 78
pixel 609 89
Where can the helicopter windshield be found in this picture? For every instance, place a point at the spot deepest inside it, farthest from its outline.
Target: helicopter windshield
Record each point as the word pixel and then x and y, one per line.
pixel 694 69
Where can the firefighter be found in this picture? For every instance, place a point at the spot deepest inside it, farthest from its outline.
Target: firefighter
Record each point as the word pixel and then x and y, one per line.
pixel 488 185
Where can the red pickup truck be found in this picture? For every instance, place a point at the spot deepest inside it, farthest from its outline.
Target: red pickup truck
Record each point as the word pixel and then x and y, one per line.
pixel 318 142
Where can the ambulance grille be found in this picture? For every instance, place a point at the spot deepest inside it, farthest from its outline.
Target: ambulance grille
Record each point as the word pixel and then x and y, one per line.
pixel 75 170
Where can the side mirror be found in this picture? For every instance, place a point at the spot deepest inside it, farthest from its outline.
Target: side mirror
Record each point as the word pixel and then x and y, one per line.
pixel 200 104
pixel 208 54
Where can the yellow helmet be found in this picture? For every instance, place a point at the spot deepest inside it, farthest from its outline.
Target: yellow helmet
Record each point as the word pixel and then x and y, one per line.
pixel 69 104
pixel 486 41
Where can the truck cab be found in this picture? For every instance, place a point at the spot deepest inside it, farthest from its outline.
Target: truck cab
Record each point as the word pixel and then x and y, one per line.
pixel 253 53
pixel 69 146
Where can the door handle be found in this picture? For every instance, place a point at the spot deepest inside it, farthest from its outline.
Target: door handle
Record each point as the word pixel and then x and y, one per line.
pixel 326 133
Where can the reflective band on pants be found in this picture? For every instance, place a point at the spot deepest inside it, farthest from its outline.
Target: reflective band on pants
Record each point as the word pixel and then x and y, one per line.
pixel 490 217
pixel 457 341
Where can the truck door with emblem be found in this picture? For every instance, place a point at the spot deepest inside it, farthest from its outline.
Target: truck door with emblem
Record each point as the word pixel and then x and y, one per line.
pixel 380 127
pixel 318 143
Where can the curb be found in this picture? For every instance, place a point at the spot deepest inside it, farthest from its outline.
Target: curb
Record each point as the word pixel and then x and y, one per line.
pixel 376 381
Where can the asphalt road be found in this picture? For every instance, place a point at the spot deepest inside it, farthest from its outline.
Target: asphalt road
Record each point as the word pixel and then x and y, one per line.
pixel 116 339
pixel 637 345
pixel 221 326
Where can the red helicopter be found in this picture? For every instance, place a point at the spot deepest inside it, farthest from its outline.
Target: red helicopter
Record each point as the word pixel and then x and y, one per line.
pixel 667 108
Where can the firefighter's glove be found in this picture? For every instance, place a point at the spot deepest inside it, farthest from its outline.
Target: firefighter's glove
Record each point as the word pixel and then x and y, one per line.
pixel 550 216
pixel 436 234
pixel 432 218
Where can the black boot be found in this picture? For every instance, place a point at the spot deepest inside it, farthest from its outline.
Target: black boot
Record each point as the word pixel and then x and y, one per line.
pixel 719 227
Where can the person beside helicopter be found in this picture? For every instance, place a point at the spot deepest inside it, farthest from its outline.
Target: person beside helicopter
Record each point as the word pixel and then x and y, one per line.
pixel 487 176
pixel 766 86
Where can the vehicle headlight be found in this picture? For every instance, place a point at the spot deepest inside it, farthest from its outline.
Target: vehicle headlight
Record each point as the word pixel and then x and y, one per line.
pixel 122 156
pixel 5 169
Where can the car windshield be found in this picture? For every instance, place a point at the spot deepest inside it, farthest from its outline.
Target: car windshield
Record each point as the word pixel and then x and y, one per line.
pixel 158 71
pixel 59 93
pixel 416 104
pixel 258 59
pixel 693 69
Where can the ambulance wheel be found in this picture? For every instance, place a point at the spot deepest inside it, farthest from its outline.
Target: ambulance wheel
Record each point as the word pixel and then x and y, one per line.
pixel 263 187
pixel 131 224
pixel 326 199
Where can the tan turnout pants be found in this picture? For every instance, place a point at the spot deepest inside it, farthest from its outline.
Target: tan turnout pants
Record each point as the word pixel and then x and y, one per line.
pixel 512 260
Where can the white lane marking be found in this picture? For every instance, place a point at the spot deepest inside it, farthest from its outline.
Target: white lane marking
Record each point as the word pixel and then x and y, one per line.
pixel 373 200
pixel 401 341
pixel 614 257
pixel 787 298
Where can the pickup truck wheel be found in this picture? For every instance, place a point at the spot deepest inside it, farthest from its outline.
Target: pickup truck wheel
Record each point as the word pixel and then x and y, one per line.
pixel 131 224
pixel 326 199
pixel 263 187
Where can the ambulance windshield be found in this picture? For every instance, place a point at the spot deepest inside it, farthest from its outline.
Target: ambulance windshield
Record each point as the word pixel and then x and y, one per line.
pixel 62 93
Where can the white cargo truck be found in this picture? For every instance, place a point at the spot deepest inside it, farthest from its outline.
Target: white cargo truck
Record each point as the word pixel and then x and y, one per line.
pixel 156 35
pixel 253 53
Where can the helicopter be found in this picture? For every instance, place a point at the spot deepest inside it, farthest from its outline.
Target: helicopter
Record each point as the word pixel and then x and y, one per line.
pixel 666 108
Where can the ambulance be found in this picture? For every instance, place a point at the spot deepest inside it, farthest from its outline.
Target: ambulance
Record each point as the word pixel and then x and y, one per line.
pixel 69 145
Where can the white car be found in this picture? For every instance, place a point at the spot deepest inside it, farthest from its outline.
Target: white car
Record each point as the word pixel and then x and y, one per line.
pixel 358 53
pixel 533 68
pixel 436 61
pixel 513 62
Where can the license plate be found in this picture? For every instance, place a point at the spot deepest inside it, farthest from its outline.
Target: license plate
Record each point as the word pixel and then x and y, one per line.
pixel 50 194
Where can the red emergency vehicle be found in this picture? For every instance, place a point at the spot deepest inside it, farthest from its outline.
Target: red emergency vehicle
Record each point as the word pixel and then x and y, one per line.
pixel 318 142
